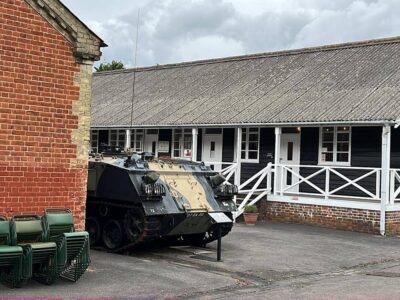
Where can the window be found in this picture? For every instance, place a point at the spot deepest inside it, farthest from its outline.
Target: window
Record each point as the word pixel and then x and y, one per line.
pixel 250 144
pixel 335 145
pixel 117 138
pixel 94 140
pixel 137 137
pixel 182 143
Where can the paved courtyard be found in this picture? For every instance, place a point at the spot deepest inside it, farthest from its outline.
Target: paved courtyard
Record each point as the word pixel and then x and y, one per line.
pixel 268 261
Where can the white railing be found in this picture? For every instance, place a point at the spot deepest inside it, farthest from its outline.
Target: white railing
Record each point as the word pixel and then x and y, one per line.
pixel 248 188
pixel 261 176
pixel 326 182
pixel 394 185
pixel 325 190
pixel 219 165
pixel 228 172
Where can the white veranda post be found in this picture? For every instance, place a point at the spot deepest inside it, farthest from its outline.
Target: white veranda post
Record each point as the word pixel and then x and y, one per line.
pixel 385 192
pixel 278 134
pixel 127 139
pixel 195 133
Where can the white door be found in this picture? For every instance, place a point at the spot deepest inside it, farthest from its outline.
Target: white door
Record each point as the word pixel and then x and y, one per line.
pixel 290 156
pixel 212 150
pixel 151 144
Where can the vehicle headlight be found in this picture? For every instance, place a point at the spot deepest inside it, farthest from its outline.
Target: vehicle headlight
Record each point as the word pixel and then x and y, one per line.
pixel 227 190
pixel 154 190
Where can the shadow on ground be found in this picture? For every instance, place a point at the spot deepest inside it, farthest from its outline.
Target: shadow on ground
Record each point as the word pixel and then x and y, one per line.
pixel 270 260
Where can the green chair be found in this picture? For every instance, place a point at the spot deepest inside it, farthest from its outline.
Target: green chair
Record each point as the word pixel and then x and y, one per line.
pixel 10 257
pixel 39 257
pixel 73 254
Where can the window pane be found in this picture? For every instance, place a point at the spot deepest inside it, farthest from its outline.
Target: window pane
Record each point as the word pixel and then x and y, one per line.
pixel 290 151
pixel 243 154
pixel 343 147
pixel 327 129
pixel 343 137
pixel 342 157
pixel 212 146
pixel 253 137
pixel 253 146
pixel 343 128
pixel 253 154
pixel 326 157
pixel 187 142
pixel 327 147
pixel 177 153
pixel 253 130
pixel 327 137
pixel 243 145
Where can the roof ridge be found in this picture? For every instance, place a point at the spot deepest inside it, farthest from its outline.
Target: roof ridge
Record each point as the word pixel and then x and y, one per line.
pixel 327 47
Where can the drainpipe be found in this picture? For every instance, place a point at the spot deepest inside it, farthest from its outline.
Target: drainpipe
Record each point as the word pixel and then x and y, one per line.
pixel 238 160
pixel 385 175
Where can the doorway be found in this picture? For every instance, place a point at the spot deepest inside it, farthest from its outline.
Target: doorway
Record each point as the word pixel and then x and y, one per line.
pixel 290 156
pixel 212 150
pixel 151 144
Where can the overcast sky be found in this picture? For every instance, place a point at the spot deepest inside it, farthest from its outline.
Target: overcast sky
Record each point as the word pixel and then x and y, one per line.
pixel 183 30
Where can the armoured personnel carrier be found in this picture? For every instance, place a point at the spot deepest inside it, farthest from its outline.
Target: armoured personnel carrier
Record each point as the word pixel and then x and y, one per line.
pixel 136 199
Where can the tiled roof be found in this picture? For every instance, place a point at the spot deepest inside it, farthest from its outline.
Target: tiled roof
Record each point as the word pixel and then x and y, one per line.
pixel 353 82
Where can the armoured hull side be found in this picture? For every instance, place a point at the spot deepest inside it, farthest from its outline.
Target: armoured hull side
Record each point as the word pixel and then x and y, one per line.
pixel 133 201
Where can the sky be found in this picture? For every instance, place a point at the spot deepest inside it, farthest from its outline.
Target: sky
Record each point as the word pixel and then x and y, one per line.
pixel 172 31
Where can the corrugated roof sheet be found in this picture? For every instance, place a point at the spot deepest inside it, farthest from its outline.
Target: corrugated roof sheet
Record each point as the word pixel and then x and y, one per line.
pixel 353 82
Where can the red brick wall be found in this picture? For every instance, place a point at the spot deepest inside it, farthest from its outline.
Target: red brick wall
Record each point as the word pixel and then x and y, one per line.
pixel 392 222
pixel 332 217
pixel 38 165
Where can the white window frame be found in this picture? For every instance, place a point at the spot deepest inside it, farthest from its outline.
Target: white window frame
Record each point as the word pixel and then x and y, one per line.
pixel 181 143
pixel 334 151
pixel 117 141
pixel 94 137
pixel 134 139
pixel 247 159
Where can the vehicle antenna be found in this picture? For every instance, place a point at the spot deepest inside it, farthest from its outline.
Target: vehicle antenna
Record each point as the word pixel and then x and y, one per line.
pixel 135 65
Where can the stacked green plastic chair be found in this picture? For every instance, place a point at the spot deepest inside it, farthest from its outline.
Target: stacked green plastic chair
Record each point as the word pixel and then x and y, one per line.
pixel 39 257
pixel 73 253
pixel 10 257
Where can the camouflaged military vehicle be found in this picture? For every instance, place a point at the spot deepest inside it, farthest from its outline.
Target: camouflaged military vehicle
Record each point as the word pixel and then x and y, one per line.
pixel 137 199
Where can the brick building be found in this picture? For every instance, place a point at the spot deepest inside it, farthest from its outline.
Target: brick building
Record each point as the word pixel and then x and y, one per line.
pixel 46 58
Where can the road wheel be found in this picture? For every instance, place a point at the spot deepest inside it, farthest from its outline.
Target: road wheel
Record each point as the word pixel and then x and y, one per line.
pixel 134 224
pixel 113 235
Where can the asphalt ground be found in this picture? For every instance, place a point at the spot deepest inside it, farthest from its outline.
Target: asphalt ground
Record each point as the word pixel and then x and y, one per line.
pixel 267 261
